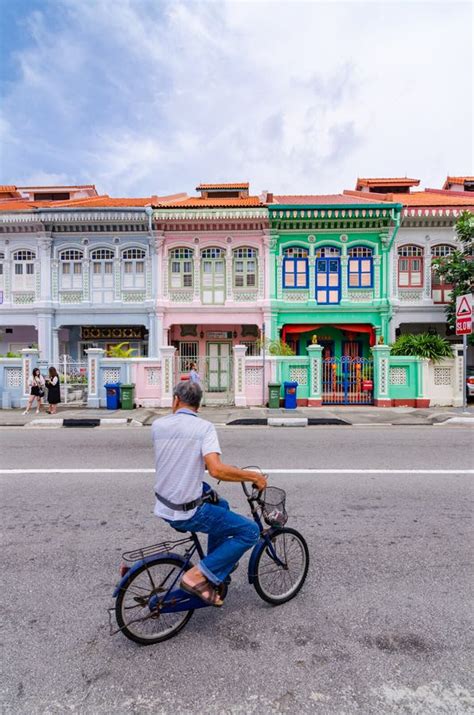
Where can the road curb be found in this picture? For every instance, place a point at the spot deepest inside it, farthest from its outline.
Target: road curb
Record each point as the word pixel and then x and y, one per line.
pixel 287 421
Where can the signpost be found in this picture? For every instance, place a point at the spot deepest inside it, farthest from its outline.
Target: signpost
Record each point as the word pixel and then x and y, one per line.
pixel 464 328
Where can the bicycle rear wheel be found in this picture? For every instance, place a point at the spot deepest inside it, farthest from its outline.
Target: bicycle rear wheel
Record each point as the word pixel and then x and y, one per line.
pixel 135 618
pixel 278 580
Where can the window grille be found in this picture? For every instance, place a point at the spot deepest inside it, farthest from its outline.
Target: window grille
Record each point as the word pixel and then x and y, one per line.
pixel 360 252
pixel 133 253
pixel 410 251
pixel 253 347
pixel 212 253
pixel 102 254
pixel 296 252
pixel 327 252
pixel 24 256
pixel 441 250
pixel 71 254
pixel 181 253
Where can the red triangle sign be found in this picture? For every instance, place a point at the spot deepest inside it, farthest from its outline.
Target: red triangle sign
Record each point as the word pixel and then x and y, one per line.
pixel 464 308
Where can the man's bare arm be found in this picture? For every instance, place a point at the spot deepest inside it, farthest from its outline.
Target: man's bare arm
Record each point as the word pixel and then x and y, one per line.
pixel 228 473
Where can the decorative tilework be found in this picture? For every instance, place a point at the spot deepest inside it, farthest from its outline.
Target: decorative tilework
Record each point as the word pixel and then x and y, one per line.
pixel 398 376
pixel 299 375
pixel 253 376
pixel 133 296
pixel 442 376
pixel 23 298
pixel 153 375
pixel 70 296
pixel 13 377
pixel 112 374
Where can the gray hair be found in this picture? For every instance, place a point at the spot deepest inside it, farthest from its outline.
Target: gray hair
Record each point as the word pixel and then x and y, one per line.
pixel 188 392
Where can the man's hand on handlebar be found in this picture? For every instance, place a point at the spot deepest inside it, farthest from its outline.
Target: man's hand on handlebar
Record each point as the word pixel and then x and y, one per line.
pixel 259 481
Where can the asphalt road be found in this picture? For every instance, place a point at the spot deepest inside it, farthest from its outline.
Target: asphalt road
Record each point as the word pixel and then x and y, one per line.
pixel 382 625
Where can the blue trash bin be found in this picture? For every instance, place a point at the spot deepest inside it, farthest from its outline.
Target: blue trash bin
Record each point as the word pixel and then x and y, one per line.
pixel 290 395
pixel 112 390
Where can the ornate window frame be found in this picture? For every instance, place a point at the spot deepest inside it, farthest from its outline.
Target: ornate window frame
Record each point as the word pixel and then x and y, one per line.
pixel 182 258
pixel 295 266
pixel 245 258
pixel 410 263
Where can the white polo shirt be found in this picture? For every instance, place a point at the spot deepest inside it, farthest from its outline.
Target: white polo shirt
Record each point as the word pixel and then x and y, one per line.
pixel 181 441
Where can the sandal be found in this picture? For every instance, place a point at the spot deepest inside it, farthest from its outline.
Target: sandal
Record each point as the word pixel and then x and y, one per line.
pixel 199 589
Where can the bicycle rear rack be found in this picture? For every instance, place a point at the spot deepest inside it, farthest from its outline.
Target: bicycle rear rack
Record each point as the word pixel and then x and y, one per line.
pixel 161 548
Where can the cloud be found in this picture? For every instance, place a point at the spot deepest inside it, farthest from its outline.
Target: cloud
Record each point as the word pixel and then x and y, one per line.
pixel 152 97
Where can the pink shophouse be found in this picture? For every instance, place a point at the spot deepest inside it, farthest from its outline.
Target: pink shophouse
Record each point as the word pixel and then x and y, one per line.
pixel 212 254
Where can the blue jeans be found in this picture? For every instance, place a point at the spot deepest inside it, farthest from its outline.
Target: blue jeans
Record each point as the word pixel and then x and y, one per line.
pixel 230 536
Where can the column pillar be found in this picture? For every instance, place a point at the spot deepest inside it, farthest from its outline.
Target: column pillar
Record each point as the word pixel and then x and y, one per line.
pixel 29 357
pixel 44 265
pixel 167 358
pixel 279 277
pixel 94 356
pixel 45 326
pixel 344 286
pixel 315 397
pixel 458 384
pixel 422 400
pixel 55 347
pixel 381 357
pixel 427 273
pixel 152 341
pixel 312 272
pixel 240 398
pixel 229 289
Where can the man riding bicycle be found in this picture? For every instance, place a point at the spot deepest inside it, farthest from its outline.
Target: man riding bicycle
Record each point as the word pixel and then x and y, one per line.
pixel 184 445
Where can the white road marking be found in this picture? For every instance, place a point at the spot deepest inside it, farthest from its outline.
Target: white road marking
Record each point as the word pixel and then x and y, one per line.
pixel 289 470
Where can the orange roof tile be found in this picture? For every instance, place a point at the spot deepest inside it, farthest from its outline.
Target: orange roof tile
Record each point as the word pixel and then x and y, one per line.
pixel 422 198
pixel 456 180
pixel 236 185
pixel 196 202
pixel 303 199
pixel 4 188
pixel 59 186
pixel 387 181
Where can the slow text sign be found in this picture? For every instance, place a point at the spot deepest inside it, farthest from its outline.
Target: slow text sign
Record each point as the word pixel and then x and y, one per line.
pixel 464 314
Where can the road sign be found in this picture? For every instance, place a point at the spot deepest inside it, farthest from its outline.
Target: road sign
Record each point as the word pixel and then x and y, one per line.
pixel 464 314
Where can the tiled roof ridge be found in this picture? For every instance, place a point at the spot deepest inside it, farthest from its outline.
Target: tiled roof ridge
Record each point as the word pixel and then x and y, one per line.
pixel 222 185
pixel 319 198
pixel 58 186
pixel 388 180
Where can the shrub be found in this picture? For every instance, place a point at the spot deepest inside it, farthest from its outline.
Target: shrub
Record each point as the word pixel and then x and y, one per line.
pixel 423 345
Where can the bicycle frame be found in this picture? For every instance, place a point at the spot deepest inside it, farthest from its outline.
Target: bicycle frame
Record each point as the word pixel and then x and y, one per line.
pixel 178 600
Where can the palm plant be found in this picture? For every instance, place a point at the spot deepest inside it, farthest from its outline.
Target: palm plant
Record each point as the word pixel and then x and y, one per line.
pixel 276 347
pixel 423 345
pixel 118 351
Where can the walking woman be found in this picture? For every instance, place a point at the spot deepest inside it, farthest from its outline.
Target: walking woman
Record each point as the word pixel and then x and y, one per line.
pixel 36 385
pixel 54 390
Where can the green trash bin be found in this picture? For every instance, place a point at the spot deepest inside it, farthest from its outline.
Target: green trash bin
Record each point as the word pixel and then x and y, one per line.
pixel 274 395
pixel 126 394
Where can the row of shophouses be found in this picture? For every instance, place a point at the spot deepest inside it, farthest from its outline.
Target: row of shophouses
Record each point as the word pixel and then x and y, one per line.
pixel 197 277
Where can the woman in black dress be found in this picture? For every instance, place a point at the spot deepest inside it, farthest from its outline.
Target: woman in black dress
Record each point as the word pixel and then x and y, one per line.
pixel 54 391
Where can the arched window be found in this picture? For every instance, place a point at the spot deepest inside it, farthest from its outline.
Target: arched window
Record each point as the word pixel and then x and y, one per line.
pixel 70 271
pixel 245 268
pixel 181 268
pixel 133 268
pixel 410 267
pixel 440 290
pixel 328 275
pixel 213 275
pixel 23 270
pixel 295 267
pixel 102 275
pixel 360 267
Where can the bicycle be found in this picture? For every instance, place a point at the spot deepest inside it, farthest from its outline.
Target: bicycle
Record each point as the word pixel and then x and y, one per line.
pixel 150 607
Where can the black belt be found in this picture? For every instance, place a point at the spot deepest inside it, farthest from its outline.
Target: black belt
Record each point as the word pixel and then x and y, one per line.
pixel 182 507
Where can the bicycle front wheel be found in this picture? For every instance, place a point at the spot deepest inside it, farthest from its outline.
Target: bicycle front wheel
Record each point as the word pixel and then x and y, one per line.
pixel 139 620
pixel 280 571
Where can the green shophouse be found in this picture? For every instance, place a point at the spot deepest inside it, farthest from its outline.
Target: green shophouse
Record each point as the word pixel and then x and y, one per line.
pixel 329 273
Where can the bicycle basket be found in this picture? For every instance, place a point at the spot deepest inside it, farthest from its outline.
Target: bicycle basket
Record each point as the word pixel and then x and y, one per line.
pixel 273 506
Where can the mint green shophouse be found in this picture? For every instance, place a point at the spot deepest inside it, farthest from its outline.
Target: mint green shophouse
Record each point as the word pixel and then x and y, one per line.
pixel 329 290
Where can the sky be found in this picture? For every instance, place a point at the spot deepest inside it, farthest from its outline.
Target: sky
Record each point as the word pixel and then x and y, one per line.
pixel 145 97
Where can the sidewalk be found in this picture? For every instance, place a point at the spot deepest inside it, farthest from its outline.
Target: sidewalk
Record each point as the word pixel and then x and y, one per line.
pixel 243 416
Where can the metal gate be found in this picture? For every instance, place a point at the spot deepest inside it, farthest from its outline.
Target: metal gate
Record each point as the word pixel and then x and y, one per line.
pixel 73 380
pixel 215 374
pixel 348 381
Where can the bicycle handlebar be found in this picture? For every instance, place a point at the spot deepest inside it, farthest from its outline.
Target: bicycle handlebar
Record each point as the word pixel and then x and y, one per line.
pixel 256 492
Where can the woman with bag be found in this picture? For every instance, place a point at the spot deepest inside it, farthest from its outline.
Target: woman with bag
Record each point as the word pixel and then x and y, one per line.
pixel 36 385
pixel 54 391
